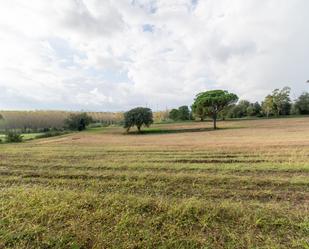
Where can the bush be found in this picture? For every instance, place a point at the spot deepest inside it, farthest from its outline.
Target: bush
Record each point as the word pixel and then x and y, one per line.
pixel 13 137
pixel 78 122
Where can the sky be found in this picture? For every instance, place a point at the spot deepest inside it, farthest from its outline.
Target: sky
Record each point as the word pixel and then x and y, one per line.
pixel 113 55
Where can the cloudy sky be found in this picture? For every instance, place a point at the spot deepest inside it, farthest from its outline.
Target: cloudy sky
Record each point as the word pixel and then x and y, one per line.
pixel 107 55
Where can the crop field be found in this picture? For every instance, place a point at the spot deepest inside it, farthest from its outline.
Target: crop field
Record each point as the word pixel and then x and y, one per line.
pixel 181 185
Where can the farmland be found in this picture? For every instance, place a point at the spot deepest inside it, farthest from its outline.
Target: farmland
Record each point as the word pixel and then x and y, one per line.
pixel 180 185
pixel 34 121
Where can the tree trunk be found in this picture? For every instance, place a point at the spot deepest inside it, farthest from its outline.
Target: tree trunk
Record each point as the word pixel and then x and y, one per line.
pixel 215 121
pixel 139 129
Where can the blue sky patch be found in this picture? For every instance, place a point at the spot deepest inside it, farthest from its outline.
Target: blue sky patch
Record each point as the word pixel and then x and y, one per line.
pixel 148 28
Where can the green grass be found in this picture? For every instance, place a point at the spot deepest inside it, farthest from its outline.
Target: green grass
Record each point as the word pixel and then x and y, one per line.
pixel 26 136
pixel 243 186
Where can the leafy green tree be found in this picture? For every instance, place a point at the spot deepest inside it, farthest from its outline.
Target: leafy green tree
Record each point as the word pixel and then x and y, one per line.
pixel 184 113
pixel 302 104
pixel 281 101
pixel 225 113
pixel 239 110
pixel 174 114
pixel 277 103
pixel 213 102
pixel 243 109
pixel 199 111
pixel 268 105
pixel 254 109
pixel 78 121
pixel 257 109
pixel 138 117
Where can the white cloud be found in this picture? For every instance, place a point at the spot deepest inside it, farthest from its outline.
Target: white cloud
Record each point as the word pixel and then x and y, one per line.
pixel 97 55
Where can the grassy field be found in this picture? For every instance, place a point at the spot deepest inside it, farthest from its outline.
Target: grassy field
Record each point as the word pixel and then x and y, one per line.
pixel 26 136
pixel 245 185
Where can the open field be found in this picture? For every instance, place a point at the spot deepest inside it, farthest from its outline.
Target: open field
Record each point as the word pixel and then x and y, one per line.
pixel 176 186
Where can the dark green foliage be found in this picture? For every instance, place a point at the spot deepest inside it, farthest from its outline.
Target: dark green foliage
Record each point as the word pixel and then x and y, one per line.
pixel 13 137
pixel 243 109
pixel 213 102
pixel 138 117
pixel 199 111
pixel 182 113
pixel 174 114
pixel 239 110
pixel 78 122
pixel 254 109
pixel 302 104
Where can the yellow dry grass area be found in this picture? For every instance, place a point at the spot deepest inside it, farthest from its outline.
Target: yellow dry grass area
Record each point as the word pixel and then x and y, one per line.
pixel 253 133
pixel 181 185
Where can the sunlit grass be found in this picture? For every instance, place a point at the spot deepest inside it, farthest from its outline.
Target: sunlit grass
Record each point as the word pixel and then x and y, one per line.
pixel 243 186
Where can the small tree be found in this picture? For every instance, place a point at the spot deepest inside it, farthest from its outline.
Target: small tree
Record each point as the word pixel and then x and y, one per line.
pixel 277 103
pixel 302 104
pixel 268 105
pixel 184 112
pixel 78 121
pixel 256 109
pixel 282 101
pixel 138 117
pixel 213 102
pixel 174 114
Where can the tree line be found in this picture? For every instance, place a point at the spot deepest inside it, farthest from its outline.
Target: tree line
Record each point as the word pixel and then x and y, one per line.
pixel 43 121
pixel 222 104
pixel 276 103
pixel 215 104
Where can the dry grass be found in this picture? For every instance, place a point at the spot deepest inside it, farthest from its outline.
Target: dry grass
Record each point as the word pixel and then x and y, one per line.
pixel 245 185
